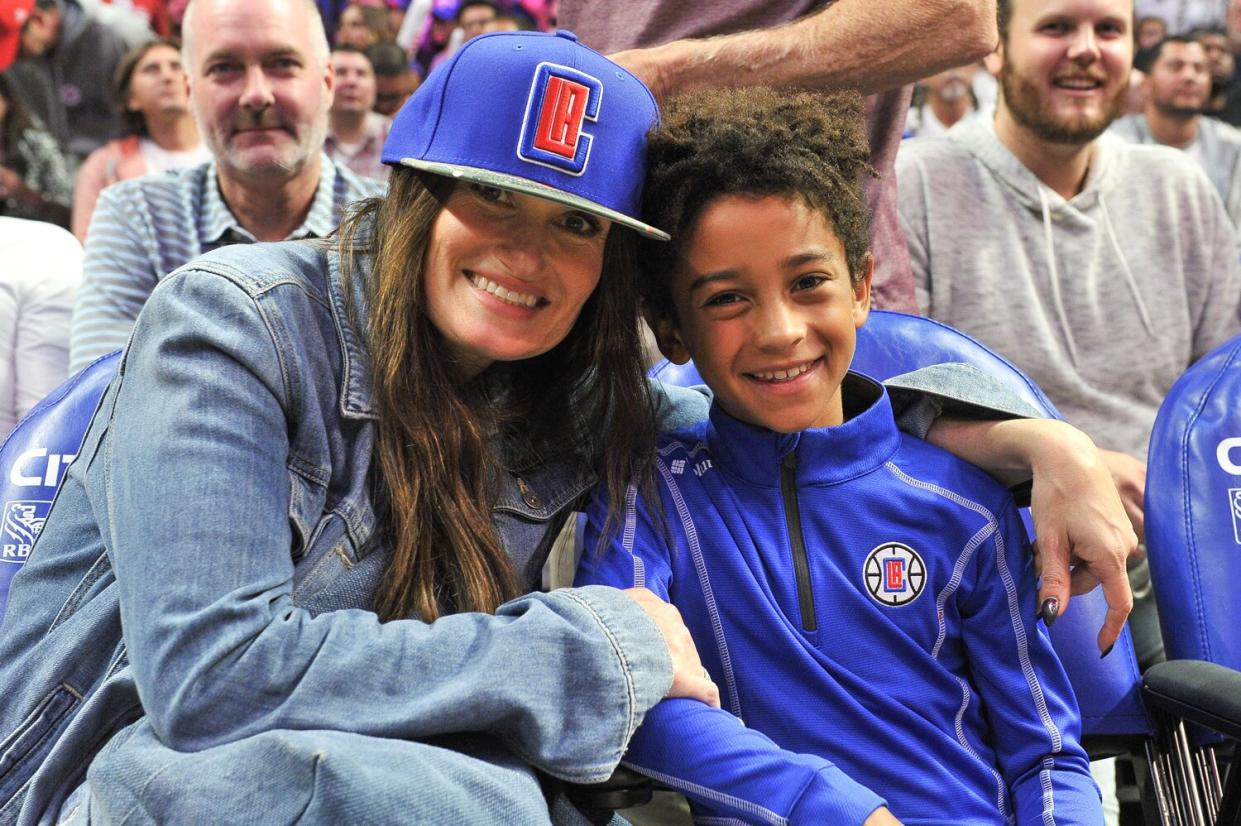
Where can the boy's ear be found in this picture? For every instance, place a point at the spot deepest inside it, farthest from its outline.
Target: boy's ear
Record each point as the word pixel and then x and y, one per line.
pixel 861 292
pixel 667 334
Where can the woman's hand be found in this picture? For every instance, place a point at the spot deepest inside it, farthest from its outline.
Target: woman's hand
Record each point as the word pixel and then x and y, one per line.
pixel 1078 513
pixel 689 678
pixel 1079 518
pixel 881 817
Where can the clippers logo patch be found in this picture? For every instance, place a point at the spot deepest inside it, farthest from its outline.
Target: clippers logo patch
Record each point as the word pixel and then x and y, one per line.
pixel 22 523
pixel 561 101
pixel 1234 504
pixel 894 574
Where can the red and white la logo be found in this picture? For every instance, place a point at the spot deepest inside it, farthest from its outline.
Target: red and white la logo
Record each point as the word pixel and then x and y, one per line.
pixel 894 574
pixel 561 101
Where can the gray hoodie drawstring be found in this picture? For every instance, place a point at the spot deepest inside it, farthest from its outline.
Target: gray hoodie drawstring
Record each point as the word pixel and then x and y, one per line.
pixel 1061 316
pixel 1124 264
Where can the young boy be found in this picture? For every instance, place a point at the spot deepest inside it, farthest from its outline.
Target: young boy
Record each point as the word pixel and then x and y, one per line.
pixel 864 601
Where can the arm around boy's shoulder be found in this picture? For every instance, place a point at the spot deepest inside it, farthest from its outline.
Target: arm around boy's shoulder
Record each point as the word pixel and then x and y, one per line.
pixel 953 391
pixel 679 407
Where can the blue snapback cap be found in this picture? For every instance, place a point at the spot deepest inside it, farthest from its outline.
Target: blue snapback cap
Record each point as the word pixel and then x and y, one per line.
pixel 535 113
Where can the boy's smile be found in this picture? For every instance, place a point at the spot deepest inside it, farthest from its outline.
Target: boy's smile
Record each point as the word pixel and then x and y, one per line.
pixel 767 311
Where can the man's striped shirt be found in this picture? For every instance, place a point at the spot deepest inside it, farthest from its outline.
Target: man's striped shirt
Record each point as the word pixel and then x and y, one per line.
pixel 145 228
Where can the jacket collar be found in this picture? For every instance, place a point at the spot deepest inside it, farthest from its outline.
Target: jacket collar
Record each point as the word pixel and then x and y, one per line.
pixel 825 455
pixel 350 312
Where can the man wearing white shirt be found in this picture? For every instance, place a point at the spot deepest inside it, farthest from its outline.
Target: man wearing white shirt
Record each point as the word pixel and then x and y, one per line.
pixel 42 267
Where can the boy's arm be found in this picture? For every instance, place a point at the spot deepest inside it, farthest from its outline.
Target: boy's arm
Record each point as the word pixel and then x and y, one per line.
pixel 710 756
pixel 1027 699
pixel 706 753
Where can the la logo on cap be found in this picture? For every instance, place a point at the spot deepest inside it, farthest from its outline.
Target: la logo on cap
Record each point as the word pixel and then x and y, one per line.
pixel 561 100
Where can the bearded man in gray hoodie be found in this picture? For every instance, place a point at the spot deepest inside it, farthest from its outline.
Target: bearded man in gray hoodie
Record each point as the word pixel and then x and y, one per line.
pixel 1102 269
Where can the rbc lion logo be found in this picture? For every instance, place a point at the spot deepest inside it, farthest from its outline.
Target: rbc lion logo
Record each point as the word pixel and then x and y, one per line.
pixel 23 521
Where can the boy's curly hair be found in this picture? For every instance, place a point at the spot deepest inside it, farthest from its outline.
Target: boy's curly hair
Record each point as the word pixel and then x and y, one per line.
pixel 755 141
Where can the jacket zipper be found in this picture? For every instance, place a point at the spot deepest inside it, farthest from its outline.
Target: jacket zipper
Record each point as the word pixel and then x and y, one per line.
pixel 792 521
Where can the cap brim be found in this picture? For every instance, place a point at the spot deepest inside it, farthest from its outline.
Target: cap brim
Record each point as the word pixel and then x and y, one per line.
pixel 535 188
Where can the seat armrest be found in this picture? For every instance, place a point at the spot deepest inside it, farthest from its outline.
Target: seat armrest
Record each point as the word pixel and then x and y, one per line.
pixel 1197 691
pixel 623 790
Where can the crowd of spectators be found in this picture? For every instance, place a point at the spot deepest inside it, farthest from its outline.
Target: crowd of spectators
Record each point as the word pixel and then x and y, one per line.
pixel 93 93
pixel 1214 24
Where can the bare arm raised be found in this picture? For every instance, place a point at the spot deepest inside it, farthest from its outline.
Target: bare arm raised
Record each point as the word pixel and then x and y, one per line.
pixel 850 44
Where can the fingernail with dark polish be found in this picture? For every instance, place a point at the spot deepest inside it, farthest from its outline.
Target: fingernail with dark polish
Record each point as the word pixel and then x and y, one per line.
pixel 1107 651
pixel 1050 610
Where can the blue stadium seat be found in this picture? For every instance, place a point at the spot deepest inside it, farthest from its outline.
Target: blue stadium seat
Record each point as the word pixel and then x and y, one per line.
pixel 1193 536
pixel 33 459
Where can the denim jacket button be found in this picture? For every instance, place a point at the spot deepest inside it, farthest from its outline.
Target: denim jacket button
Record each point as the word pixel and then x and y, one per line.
pixel 527 493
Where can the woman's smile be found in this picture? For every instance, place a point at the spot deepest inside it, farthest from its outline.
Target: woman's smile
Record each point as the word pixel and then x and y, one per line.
pixel 507 295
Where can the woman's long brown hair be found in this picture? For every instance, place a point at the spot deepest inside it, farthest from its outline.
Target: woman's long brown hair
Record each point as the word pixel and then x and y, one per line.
pixel 437 435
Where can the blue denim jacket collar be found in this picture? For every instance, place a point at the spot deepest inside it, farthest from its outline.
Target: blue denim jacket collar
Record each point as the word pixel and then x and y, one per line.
pixel 349 310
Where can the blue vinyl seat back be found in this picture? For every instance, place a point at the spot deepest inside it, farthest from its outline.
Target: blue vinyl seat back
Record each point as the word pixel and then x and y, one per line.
pixel 1193 510
pixel 34 457
pixel 892 343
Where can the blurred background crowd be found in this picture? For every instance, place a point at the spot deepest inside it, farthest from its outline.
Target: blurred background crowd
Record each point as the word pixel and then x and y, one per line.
pixel 93 92
pixel 944 99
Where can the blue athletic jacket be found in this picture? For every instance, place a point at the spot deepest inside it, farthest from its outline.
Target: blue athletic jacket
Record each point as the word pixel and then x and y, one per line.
pixel 866 604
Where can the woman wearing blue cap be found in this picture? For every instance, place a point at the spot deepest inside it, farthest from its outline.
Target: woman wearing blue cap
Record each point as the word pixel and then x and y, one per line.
pixel 283 580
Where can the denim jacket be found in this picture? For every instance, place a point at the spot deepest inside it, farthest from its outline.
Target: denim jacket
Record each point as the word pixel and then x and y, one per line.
pixel 241 559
